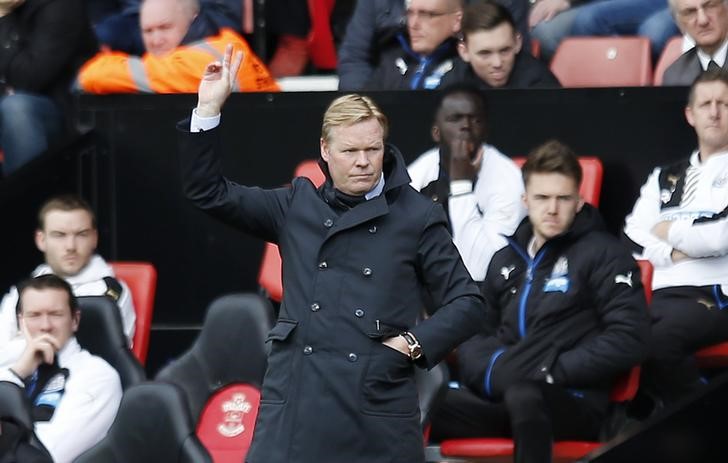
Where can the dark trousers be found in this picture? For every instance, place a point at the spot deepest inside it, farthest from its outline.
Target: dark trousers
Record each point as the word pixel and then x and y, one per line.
pixel 532 413
pixel 684 319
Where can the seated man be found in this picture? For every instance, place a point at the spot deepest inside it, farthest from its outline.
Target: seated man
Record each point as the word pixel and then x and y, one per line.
pixel 420 58
pixel 678 223
pixel 167 66
pixel 707 23
pixel 492 54
pixel 67 237
pixel 479 187
pixel 43 45
pixel 568 317
pixel 75 395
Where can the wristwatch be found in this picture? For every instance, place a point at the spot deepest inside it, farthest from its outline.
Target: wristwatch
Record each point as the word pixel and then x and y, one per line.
pixel 415 349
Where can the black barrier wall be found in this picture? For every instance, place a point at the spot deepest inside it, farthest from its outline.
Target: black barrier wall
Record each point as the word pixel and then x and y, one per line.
pixel 143 215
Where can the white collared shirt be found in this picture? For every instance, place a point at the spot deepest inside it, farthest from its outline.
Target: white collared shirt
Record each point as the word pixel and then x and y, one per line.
pixel 718 56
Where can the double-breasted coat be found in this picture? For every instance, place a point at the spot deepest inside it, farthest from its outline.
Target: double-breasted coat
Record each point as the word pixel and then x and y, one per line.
pixel 333 393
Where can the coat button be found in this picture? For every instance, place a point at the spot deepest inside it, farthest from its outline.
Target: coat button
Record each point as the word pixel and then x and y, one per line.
pixel 315 307
pixel 323 265
pixel 366 271
pixel 359 313
pixel 328 223
pixel 513 290
pixel 435 198
pixel 373 229
pixel 353 357
pixel 308 350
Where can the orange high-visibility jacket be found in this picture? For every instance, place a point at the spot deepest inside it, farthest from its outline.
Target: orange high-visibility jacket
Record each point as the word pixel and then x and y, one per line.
pixel 179 71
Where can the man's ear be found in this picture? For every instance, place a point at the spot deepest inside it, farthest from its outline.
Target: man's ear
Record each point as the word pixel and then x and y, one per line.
pixel 435 132
pixel 463 51
pixel 519 42
pixel 40 240
pixel 689 116
pixel 76 319
pixel 580 204
pixel 324 150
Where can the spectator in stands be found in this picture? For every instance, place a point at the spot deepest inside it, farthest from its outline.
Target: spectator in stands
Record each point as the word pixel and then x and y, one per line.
pixel 479 187
pixel 420 57
pixel 492 53
pixel 676 223
pixel 75 395
pixel 67 237
pixel 568 317
pixel 707 23
pixel 551 21
pixel 167 66
pixel 42 48
pixel 116 23
pixel 648 18
pixel 371 28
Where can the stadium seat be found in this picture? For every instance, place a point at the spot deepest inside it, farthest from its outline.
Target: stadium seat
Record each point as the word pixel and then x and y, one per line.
pixel 671 52
pixel 591 182
pixel 141 278
pixel 715 356
pixel 222 373
pixel 269 275
pixel 501 449
pixel 152 425
pixel 16 420
pixel 100 332
pixel 603 62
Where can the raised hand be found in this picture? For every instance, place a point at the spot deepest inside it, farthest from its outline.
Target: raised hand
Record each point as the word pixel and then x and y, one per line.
pixel 41 349
pixel 465 158
pixel 217 83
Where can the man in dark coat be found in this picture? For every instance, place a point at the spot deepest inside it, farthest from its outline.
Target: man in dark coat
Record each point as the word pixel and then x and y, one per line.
pixel 44 42
pixel 569 316
pixel 362 255
pixel 707 23
pixel 492 54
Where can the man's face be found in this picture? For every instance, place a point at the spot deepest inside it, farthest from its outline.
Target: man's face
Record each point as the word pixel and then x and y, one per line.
pixel 492 53
pixel 431 22
pixel 164 23
pixel 706 21
pixel 355 154
pixel 552 201
pixel 460 117
pixel 68 241
pixel 708 114
pixel 47 311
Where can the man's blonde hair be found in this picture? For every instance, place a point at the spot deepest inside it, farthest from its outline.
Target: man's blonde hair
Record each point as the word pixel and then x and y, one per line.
pixel 350 109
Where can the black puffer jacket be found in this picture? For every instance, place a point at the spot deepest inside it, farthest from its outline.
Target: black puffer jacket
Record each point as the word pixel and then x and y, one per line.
pixel 576 310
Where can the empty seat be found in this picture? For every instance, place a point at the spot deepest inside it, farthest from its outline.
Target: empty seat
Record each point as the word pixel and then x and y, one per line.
pixel 603 62
pixel 671 52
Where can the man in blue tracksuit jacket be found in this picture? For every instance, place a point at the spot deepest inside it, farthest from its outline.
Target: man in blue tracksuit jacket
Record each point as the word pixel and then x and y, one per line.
pixel 569 317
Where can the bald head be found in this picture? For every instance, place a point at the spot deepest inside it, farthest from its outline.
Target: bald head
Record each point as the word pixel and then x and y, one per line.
pixel 164 23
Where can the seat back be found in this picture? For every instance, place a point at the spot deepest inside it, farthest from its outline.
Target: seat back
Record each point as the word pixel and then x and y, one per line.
pixel 671 52
pixel 591 179
pixel 228 358
pixel 152 425
pixel 227 421
pixel 269 275
pixel 603 62
pixel 100 332
pixel 16 408
pixel 141 278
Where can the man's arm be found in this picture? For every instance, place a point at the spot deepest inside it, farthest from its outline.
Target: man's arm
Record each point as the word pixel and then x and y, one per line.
pixel 704 237
pixel 619 300
pixel 461 311
pixel 640 223
pixel 354 67
pixel 85 412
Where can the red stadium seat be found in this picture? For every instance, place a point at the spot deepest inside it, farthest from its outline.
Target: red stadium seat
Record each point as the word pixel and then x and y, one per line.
pixel 670 53
pixel 603 62
pixel 141 277
pixel 269 275
pixel 497 450
pixel 591 181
